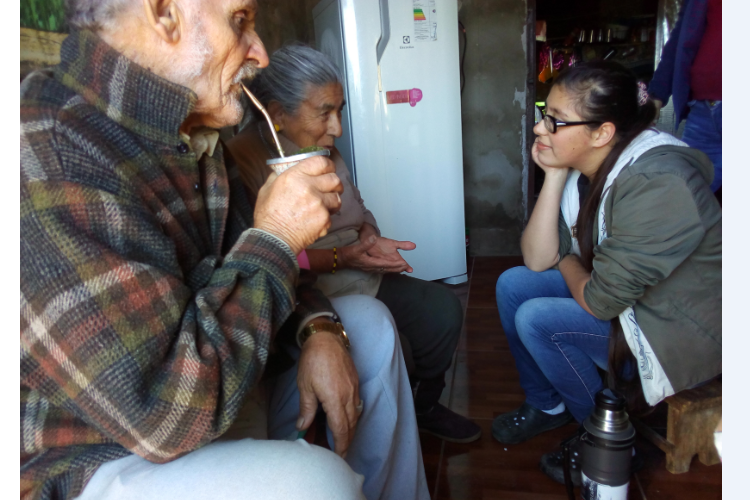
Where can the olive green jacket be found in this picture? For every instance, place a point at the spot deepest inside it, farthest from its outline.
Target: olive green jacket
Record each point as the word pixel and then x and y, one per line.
pixel 662 256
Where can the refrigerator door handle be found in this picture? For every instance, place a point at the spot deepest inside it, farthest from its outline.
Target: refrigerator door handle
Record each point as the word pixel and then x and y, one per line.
pixel 385 29
pixel 385 36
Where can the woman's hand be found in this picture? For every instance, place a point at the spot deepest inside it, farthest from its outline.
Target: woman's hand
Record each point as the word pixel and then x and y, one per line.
pixel 377 255
pixel 366 231
pixel 540 239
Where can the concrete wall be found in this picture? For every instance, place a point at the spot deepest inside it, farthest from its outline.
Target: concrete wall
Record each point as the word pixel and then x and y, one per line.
pixel 493 117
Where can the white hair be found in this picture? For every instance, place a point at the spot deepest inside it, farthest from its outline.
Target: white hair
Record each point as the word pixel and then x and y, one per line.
pixel 292 70
pixel 94 15
pixel 191 66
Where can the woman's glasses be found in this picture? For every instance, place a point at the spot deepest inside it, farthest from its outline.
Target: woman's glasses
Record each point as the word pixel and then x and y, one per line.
pixel 551 123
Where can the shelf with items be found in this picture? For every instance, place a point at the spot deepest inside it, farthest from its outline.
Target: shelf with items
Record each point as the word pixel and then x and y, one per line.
pixel 554 57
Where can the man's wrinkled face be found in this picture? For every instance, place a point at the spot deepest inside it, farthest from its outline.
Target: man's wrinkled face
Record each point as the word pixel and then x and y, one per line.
pixel 222 48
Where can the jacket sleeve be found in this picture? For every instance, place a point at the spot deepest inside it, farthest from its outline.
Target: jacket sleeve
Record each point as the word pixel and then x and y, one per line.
pixel 660 86
pixel 369 217
pixel 113 332
pixel 343 173
pixel 646 242
pixel 311 302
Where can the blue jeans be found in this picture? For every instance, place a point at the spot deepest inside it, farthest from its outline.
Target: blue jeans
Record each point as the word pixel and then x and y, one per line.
pixel 703 131
pixel 556 344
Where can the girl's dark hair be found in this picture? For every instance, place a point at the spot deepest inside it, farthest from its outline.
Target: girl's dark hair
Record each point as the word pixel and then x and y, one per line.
pixel 605 91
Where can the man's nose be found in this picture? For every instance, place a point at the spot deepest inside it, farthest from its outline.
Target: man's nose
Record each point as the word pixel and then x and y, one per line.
pixel 256 53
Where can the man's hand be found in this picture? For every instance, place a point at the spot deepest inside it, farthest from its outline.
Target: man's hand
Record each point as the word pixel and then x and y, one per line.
pixel 377 255
pixel 296 205
pixel 326 373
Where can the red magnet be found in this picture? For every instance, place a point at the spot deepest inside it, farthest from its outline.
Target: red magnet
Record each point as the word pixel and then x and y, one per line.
pixel 412 96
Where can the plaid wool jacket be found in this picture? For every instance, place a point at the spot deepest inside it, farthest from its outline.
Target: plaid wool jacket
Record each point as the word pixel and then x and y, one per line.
pixel 148 304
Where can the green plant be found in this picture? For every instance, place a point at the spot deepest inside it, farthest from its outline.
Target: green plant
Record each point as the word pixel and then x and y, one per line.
pixel 309 149
pixel 45 15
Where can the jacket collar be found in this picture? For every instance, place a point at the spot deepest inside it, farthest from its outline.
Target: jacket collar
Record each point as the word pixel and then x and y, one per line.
pixel 129 94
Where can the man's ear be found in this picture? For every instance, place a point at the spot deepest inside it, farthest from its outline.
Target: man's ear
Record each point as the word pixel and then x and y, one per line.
pixel 165 18
pixel 277 114
pixel 604 134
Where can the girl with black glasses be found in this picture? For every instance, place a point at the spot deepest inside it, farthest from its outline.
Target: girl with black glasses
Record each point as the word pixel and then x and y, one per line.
pixel 623 260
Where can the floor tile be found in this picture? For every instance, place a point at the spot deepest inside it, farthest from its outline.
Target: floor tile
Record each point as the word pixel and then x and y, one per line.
pixel 432 448
pixel 494 265
pixel 488 469
pixel 700 482
pixel 485 384
pixel 486 331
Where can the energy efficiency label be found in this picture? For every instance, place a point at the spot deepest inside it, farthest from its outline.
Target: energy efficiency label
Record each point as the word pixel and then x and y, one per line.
pixel 425 20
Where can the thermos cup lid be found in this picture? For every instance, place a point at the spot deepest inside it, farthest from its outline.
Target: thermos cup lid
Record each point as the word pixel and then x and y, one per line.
pixel 610 400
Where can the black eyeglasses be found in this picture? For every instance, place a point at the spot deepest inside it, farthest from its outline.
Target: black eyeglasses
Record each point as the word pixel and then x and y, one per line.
pixel 551 123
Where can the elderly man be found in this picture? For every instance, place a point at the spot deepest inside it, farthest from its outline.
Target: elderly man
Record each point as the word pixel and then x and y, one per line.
pixel 154 297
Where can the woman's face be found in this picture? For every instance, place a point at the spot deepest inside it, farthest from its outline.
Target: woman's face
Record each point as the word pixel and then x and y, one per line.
pixel 317 122
pixel 571 146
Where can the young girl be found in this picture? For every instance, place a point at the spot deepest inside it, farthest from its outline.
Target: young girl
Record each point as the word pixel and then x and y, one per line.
pixel 625 236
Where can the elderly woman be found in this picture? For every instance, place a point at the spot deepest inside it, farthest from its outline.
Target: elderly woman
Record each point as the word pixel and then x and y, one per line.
pixel 302 92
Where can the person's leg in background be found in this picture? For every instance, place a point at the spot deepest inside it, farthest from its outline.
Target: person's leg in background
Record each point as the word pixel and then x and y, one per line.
pixel 430 317
pixel 386 447
pixel 231 470
pixel 703 132
pixel 554 342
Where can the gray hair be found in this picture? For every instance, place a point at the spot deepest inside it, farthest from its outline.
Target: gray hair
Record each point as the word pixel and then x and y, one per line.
pixel 290 73
pixel 94 14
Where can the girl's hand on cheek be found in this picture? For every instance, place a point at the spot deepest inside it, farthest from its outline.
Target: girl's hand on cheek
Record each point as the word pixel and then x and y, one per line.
pixel 549 171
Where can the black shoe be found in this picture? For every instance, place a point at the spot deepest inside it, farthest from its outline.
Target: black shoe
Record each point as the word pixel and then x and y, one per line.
pixel 448 425
pixel 552 464
pixel 526 422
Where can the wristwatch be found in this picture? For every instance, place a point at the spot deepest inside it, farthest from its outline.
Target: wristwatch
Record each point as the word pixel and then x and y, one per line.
pixel 336 328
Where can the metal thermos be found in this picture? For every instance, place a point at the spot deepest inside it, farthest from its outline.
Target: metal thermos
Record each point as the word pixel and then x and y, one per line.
pixel 607 450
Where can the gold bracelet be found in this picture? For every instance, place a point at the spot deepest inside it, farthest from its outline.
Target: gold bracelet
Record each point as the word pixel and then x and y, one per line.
pixel 335 328
pixel 335 259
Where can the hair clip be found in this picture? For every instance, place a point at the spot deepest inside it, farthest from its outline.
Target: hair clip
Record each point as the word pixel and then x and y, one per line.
pixel 642 94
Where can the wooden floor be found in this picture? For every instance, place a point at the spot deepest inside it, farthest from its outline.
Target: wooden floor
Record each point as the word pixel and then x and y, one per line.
pixel 483 383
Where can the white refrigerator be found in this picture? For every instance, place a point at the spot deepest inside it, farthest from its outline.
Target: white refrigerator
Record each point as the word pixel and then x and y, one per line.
pixel 402 121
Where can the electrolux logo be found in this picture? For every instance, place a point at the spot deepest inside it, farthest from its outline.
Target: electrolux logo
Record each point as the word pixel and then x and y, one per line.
pixel 407 40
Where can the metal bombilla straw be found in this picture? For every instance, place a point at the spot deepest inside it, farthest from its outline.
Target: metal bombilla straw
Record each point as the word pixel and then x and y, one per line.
pixel 268 118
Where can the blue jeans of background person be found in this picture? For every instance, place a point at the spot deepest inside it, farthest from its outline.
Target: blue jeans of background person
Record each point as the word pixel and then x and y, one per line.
pixel 556 344
pixel 703 131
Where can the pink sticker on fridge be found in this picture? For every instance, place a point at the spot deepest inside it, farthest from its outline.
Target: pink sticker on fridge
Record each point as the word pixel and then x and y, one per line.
pixel 412 96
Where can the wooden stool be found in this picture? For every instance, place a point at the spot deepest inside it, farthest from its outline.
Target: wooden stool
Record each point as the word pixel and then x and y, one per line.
pixel 691 421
